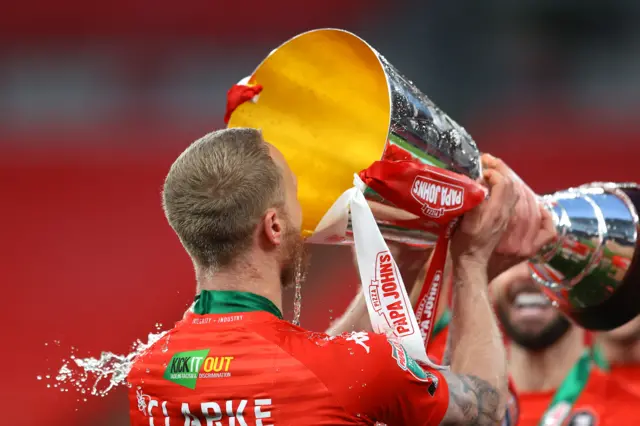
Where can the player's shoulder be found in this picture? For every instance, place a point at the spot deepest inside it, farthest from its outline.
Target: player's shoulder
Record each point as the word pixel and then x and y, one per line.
pixel 621 390
pixel 367 352
pixel 353 343
pixel 363 351
pixel 344 348
pixel 608 387
pixel 619 399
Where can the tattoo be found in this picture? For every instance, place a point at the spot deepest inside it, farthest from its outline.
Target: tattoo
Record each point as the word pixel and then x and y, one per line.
pixel 472 401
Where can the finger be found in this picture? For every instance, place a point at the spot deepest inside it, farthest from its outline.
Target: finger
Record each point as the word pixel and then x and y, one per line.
pixel 516 210
pixel 498 183
pixel 488 161
pixel 535 223
pixel 499 190
pixel 511 195
pixel 548 230
pixel 508 177
pixel 528 220
pixel 508 199
pixel 517 221
pixel 492 178
pixel 495 163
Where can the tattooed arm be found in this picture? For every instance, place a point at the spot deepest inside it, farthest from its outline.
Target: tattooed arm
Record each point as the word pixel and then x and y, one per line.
pixel 478 387
pixel 478 379
pixel 472 401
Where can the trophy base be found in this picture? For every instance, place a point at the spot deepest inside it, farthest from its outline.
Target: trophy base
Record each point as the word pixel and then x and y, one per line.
pixel 615 312
pixel 624 303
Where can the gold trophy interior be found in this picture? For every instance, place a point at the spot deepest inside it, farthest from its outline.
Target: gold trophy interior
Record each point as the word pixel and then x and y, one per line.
pixel 326 106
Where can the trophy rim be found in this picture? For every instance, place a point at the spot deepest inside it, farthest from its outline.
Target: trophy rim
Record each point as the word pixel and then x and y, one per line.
pixel 363 41
pixel 342 36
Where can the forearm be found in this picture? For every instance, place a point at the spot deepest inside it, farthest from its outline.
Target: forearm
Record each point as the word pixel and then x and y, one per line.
pixel 356 316
pixel 477 349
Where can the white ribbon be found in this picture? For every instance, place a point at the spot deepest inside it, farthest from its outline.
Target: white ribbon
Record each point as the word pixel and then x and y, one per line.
pixel 387 300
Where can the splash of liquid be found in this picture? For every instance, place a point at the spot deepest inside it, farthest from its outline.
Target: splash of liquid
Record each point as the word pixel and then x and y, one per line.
pixel 297 304
pixel 300 277
pixel 98 376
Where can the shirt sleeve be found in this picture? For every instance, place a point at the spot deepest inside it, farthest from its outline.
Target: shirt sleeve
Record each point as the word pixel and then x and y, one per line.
pixel 376 379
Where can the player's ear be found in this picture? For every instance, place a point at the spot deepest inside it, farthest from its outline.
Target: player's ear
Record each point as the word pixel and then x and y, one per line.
pixel 272 227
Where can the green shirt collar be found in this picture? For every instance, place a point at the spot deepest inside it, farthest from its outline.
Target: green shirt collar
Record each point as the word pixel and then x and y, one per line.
pixel 227 302
pixel 442 322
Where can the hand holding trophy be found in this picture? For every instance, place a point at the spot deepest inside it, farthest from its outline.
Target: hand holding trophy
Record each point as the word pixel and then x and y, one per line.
pixel 334 107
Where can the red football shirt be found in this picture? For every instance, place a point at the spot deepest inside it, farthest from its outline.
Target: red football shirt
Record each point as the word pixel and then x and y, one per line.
pixel 252 368
pixel 603 402
pixel 628 374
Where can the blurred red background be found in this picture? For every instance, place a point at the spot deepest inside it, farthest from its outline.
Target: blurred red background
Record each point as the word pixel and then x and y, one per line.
pixel 97 100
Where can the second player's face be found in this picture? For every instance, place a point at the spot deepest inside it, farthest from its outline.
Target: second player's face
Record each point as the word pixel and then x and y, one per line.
pixel 526 314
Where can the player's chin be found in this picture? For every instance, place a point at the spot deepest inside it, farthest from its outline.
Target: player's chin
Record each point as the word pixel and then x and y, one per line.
pixel 530 331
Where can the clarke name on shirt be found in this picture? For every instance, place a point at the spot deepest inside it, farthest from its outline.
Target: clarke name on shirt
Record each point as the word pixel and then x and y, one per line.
pixel 230 412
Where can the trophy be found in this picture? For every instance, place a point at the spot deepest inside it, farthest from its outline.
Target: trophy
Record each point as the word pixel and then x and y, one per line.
pixel 591 271
pixel 334 107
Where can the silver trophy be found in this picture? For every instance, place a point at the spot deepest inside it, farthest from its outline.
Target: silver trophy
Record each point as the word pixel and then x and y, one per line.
pixel 333 105
pixel 591 271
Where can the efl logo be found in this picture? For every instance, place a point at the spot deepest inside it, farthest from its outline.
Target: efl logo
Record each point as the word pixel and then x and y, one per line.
pixel 407 363
pixel 185 368
pixel 386 297
pixel 437 197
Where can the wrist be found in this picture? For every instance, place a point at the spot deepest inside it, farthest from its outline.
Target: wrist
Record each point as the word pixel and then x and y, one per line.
pixel 470 274
pixel 470 260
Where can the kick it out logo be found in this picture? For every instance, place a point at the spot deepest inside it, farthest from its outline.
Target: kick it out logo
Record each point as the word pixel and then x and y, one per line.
pixel 185 368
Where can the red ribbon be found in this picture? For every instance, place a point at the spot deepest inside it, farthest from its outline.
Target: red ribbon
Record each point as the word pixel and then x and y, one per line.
pixel 432 193
pixel 237 95
pixel 435 195
pixel 427 306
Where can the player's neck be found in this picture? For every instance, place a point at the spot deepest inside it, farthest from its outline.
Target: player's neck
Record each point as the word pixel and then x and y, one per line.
pixel 620 352
pixel 545 370
pixel 253 277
